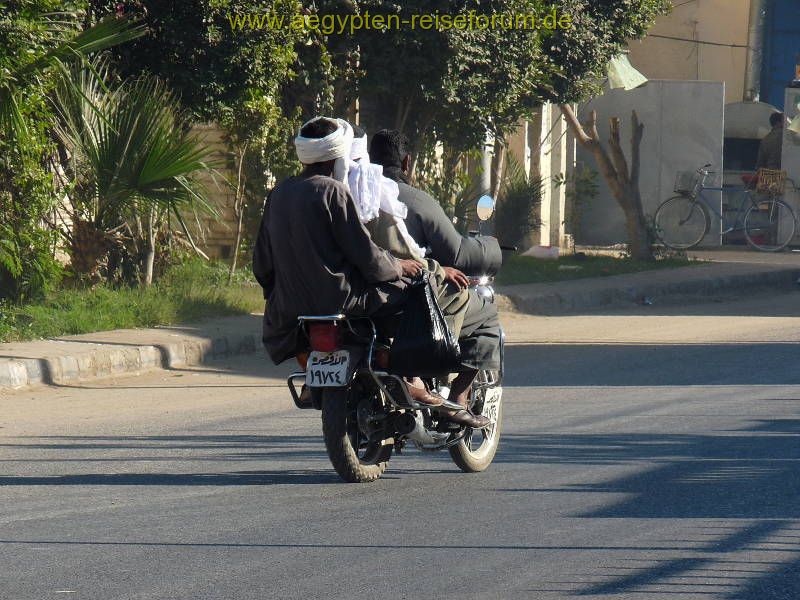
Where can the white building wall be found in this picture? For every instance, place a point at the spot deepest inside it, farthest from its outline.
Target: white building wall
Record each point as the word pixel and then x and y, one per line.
pixel 684 124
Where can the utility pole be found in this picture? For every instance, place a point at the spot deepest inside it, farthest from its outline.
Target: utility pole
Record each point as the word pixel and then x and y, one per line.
pixel 755 50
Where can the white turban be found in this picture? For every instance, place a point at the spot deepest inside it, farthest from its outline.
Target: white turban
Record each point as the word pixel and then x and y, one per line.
pixel 335 146
pixel 359 148
pixel 373 193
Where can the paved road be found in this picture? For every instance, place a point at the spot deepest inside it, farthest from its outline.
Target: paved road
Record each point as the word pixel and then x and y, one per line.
pixel 653 453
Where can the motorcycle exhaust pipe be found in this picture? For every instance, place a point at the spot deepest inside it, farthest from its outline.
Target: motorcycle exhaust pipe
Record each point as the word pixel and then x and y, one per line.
pixel 413 428
pixel 404 424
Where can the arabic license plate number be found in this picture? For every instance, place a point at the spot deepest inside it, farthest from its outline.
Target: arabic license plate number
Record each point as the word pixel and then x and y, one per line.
pixel 491 405
pixel 327 369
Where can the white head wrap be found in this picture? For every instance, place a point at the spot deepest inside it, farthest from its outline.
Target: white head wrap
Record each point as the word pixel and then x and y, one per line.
pixel 372 192
pixel 335 146
pixel 359 148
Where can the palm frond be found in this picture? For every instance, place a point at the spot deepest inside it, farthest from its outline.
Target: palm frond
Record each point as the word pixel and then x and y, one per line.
pixel 109 32
pixel 69 45
pixel 134 144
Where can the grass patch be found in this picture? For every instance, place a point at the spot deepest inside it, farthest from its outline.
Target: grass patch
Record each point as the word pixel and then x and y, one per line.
pixel 526 269
pixel 191 291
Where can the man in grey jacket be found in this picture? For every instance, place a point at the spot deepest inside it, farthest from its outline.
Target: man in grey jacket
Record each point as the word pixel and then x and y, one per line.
pixel 432 229
pixel 426 222
pixel 771 147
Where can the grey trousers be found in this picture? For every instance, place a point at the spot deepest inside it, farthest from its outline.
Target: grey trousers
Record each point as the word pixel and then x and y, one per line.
pixel 480 335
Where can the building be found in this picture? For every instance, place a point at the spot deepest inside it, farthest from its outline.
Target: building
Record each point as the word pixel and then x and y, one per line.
pixel 751 46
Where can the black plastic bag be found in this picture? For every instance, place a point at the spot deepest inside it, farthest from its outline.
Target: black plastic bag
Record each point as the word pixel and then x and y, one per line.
pixel 424 345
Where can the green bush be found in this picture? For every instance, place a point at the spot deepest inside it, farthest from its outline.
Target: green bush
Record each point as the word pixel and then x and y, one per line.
pixel 28 268
pixel 38 38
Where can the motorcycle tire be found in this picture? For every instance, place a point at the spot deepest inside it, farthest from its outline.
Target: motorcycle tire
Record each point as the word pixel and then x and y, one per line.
pixel 338 429
pixel 474 460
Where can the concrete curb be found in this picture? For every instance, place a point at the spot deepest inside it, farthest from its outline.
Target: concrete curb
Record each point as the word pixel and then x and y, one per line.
pixel 109 359
pixel 71 360
pixel 549 302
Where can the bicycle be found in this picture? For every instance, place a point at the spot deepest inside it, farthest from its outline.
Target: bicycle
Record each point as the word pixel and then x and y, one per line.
pixel 681 222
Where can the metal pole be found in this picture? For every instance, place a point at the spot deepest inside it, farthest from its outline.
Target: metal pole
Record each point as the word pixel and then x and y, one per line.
pixel 755 50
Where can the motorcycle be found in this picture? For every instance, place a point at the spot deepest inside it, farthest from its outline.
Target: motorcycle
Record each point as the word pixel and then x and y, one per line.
pixel 367 413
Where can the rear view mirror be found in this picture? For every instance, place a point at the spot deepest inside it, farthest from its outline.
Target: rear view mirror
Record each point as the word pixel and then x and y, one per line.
pixel 485 207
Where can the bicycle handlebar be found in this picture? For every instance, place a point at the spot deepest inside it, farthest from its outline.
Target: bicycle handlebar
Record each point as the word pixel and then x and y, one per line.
pixel 704 169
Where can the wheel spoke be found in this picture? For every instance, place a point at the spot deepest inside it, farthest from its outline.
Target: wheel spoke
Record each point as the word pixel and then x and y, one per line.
pixel 681 222
pixel 770 225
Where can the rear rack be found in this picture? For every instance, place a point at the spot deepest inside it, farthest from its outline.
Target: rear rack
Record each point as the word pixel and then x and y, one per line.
pixel 339 317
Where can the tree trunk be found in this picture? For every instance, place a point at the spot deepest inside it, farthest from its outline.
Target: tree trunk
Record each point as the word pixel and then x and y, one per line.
pixel 238 211
pixel 622 179
pixel 500 152
pixel 150 257
pixel 88 247
pixel 636 226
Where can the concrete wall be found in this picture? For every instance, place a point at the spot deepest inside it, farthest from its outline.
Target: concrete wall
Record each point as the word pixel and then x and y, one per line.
pixel 719 21
pixel 216 237
pixel 683 131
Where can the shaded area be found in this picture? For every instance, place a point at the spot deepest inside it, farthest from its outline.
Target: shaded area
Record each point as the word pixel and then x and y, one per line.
pixel 751 474
pixel 690 476
pixel 173 447
pixel 647 365
pixel 260 478
pixel 696 572
pixel 782 582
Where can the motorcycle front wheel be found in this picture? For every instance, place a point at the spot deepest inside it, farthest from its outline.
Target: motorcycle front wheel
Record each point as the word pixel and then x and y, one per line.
pixel 355 458
pixel 475 451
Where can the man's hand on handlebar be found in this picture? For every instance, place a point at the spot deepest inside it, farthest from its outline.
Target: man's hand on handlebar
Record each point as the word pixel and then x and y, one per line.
pixel 410 268
pixel 456 277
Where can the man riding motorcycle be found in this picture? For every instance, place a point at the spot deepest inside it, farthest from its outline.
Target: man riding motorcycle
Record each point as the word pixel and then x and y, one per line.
pixel 430 228
pixel 314 256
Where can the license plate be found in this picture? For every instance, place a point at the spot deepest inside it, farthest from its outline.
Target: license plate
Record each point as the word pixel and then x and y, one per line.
pixel 491 405
pixel 327 369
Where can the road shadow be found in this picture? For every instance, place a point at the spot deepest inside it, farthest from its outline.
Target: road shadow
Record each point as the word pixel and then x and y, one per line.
pixel 648 365
pixel 741 488
pixel 174 448
pixel 766 300
pixel 236 478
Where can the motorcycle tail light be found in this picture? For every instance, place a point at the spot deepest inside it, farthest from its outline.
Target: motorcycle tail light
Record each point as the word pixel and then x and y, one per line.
pixel 324 337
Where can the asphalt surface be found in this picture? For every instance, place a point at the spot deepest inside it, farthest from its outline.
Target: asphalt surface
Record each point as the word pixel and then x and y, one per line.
pixel 651 453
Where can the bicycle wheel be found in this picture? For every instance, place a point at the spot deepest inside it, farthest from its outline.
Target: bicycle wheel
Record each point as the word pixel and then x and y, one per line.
pixel 769 226
pixel 681 222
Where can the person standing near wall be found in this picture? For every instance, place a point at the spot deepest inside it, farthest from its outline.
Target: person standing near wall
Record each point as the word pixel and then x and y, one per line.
pixel 771 148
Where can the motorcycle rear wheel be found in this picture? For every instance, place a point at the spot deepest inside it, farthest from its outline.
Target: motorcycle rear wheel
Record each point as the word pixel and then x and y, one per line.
pixel 355 459
pixel 474 458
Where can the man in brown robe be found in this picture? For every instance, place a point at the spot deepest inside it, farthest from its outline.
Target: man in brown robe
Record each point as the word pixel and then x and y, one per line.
pixel 314 257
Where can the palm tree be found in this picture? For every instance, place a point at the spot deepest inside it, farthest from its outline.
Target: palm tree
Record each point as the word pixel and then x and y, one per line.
pixel 134 162
pixel 36 46
pixel 29 71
